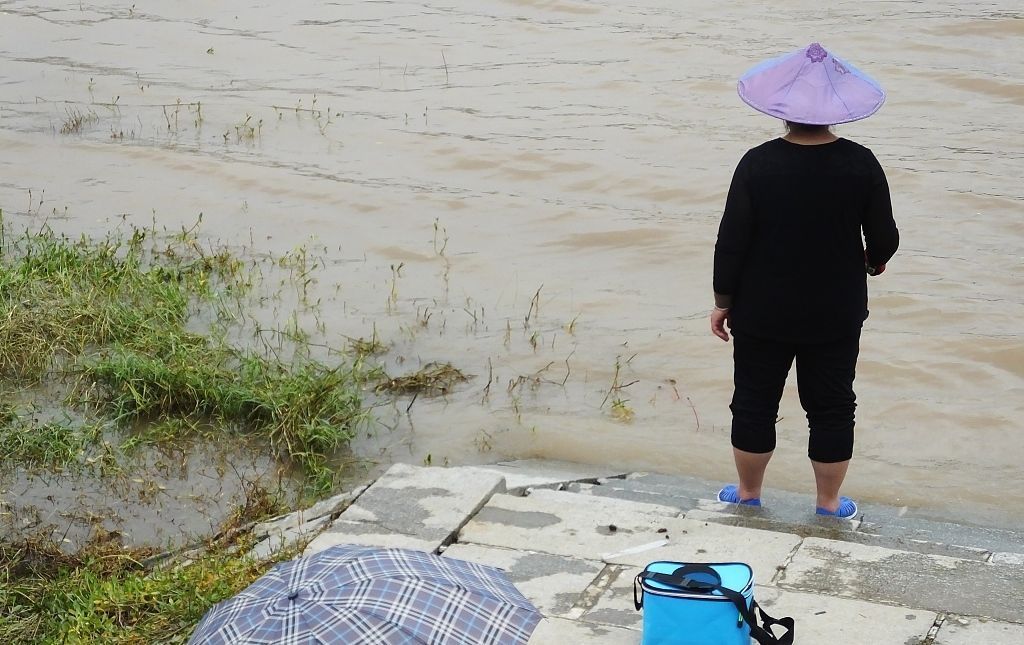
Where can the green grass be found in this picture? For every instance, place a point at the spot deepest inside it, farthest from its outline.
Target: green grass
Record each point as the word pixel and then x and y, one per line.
pixel 116 318
pixel 105 595
pixel 307 411
pixel 51 445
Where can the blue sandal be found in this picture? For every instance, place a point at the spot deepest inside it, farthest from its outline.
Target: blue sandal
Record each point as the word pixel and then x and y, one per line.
pixel 847 509
pixel 731 495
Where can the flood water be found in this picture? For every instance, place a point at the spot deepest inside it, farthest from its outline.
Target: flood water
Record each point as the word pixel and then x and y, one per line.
pixel 531 190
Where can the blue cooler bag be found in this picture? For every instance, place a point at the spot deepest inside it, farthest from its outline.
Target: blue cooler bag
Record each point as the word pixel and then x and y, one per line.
pixel 703 604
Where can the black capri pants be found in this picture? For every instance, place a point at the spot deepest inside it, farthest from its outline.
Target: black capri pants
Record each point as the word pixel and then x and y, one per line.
pixel 825 373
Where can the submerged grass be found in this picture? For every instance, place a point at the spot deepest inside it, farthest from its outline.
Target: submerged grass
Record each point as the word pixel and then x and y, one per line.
pixel 306 410
pixel 114 319
pixel 50 445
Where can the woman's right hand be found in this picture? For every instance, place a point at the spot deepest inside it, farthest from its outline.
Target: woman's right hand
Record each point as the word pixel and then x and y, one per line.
pixel 872 270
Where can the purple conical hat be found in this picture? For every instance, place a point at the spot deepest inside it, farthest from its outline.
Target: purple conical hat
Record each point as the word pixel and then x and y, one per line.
pixel 811 86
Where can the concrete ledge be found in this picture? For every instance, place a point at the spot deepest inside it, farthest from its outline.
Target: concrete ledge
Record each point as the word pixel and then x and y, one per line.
pixel 1008 558
pixel 568 524
pixel 837 621
pixel 524 474
pixel 933 582
pixel 956 630
pixel 693 541
pixel 364 534
pixel 412 507
pixel 819 619
pixel 323 508
pixel 575 554
pixel 833 530
pixel 279 540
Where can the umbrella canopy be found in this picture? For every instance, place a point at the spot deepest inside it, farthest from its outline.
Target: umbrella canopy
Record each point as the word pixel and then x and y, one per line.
pixel 372 596
pixel 811 85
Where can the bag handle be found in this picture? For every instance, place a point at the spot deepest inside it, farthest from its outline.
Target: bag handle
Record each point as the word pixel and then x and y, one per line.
pixel 699 578
pixel 678 578
pixel 763 635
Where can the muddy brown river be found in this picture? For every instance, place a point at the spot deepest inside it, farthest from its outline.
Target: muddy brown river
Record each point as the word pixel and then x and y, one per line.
pixel 531 190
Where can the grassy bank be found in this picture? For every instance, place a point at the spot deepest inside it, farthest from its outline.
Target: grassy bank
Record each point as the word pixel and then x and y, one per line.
pixel 104 594
pixel 129 342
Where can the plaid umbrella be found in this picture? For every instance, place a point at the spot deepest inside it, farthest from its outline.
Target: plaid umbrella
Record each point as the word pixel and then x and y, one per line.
pixel 372 596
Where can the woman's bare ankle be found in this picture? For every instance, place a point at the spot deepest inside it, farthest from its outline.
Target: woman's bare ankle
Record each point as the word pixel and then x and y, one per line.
pixel 830 504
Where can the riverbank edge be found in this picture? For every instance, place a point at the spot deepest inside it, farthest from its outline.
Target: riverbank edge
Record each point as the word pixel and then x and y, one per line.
pixel 573 536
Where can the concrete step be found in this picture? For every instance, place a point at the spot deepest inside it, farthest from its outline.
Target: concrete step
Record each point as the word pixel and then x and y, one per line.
pixel 876 525
pixel 623 535
pixel 573 539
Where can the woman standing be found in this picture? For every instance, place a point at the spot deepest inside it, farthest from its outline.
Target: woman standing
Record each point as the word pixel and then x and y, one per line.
pixel 807 218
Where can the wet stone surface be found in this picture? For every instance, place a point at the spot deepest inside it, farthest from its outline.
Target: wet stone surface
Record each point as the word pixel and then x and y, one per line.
pixel 959 630
pixel 908 579
pixel 414 507
pixel 553 583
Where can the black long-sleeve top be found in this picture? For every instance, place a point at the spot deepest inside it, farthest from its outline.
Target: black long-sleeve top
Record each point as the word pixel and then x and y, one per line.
pixel 790 256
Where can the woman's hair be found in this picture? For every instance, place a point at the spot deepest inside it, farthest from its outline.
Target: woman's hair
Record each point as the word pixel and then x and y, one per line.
pixel 806 128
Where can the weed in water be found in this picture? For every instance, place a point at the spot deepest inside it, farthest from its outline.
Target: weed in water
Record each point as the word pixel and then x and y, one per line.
pixel 619 408
pixel 571 327
pixel 440 237
pixel 431 379
pixel 396 273
pixel 484 441
pixel 364 348
pixel 621 411
pixel 534 308
pixel 75 120
pixel 248 130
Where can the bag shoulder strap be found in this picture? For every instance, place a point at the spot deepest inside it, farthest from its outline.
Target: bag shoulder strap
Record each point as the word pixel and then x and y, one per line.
pixel 762 634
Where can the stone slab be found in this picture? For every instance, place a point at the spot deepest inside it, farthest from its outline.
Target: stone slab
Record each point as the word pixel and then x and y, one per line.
pixel 363 534
pixel 427 504
pixel 283 539
pixel 797 509
pixel 956 630
pixel 676 491
pixel 568 524
pixel 553 583
pixel 523 474
pixel 933 582
pixel 819 618
pixel 1008 558
pixel 833 530
pixel 579 526
pixel 323 508
pixel 558 631
pixel 693 541
pixel 614 606
pixel 839 621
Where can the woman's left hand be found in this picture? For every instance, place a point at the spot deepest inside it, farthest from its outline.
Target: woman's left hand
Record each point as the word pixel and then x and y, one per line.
pixel 719 317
